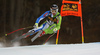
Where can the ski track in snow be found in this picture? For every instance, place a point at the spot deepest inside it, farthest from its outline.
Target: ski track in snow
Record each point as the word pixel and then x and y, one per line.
pixel 60 49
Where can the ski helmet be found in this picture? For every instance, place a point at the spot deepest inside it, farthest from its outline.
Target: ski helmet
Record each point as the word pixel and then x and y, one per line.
pixel 54 8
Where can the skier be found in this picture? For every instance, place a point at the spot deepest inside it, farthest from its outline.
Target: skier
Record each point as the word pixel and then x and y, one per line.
pixel 52 23
pixel 50 26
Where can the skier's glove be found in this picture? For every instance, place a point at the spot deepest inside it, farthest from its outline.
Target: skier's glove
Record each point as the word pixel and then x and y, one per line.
pixel 55 30
pixel 36 25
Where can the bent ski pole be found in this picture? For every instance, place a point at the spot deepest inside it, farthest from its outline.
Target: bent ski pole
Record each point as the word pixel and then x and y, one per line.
pixel 17 30
pixel 48 38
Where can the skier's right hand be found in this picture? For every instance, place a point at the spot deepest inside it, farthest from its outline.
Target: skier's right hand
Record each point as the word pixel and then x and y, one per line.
pixel 36 25
pixel 55 30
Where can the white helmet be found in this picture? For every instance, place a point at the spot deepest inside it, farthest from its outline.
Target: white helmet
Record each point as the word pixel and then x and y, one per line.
pixel 54 8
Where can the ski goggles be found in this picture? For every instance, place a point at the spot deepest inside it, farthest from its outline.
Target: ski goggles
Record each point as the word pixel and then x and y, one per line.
pixel 53 10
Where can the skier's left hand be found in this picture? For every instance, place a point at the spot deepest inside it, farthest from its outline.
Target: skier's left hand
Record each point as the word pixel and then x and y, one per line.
pixel 55 30
pixel 36 25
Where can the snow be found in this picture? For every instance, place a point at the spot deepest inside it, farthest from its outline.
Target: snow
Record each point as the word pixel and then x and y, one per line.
pixel 60 49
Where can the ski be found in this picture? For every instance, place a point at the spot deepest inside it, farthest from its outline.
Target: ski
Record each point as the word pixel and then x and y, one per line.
pixel 36 36
pixel 23 36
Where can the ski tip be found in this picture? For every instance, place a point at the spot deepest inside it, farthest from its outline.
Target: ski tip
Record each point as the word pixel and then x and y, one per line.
pixel 31 40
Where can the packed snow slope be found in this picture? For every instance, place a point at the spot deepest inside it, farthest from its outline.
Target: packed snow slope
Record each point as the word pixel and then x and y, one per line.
pixel 60 49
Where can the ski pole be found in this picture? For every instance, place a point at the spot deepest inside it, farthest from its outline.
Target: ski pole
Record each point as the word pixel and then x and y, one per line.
pixel 57 37
pixel 48 38
pixel 17 30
